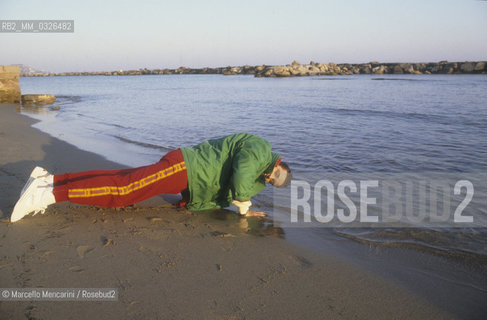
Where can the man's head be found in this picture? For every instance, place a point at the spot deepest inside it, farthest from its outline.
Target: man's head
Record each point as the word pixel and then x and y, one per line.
pixel 280 176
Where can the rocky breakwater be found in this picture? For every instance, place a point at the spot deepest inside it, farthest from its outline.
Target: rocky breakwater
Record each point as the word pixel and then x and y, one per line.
pixel 331 69
pixel 181 70
pixel 38 99
pixel 296 69
pixel 9 84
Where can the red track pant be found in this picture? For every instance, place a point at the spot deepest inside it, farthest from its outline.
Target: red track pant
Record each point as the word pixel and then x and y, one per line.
pixel 119 188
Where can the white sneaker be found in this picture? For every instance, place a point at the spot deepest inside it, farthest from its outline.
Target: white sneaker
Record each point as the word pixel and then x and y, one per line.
pixel 38 172
pixel 36 196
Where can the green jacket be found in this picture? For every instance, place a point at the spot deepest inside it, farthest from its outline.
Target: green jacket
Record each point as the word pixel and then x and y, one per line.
pixel 226 169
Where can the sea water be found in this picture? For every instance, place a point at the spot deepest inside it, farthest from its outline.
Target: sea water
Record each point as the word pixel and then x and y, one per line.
pixel 321 126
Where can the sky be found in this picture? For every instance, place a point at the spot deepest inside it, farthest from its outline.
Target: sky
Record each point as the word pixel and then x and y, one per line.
pixel 117 34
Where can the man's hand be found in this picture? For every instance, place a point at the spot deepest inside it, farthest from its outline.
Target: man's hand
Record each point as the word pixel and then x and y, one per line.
pixel 242 206
pixel 252 213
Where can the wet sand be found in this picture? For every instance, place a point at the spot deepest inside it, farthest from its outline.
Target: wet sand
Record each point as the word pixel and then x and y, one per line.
pixel 168 263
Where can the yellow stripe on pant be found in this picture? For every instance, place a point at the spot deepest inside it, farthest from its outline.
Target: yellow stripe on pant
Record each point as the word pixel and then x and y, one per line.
pixel 125 190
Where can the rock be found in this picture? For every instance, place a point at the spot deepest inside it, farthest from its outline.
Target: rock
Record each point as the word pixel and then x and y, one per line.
pixel 9 84
pixel 313 70
pixel 334 69
pixel 248 70
pixel 407 68
pixel 421 67
pixel 398 70
pixel 281 71
pixel 232 71
pixel 302 70
pixel 411 70
pixel 480 66
pixel 323 67
pixel 379 70
pixel 467 67
pixel 40 99
pixel 295 63
pixel 435 69
pixel 366 69
pixel 449 68
pixel 296 71
pixel 228 71
pixel 268 72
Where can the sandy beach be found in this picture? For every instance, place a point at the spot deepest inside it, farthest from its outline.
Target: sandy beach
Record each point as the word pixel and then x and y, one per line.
pixel 168 263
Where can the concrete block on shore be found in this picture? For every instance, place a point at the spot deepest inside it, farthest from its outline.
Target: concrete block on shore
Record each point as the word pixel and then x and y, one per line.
pixel 39 99
pixel 9 84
